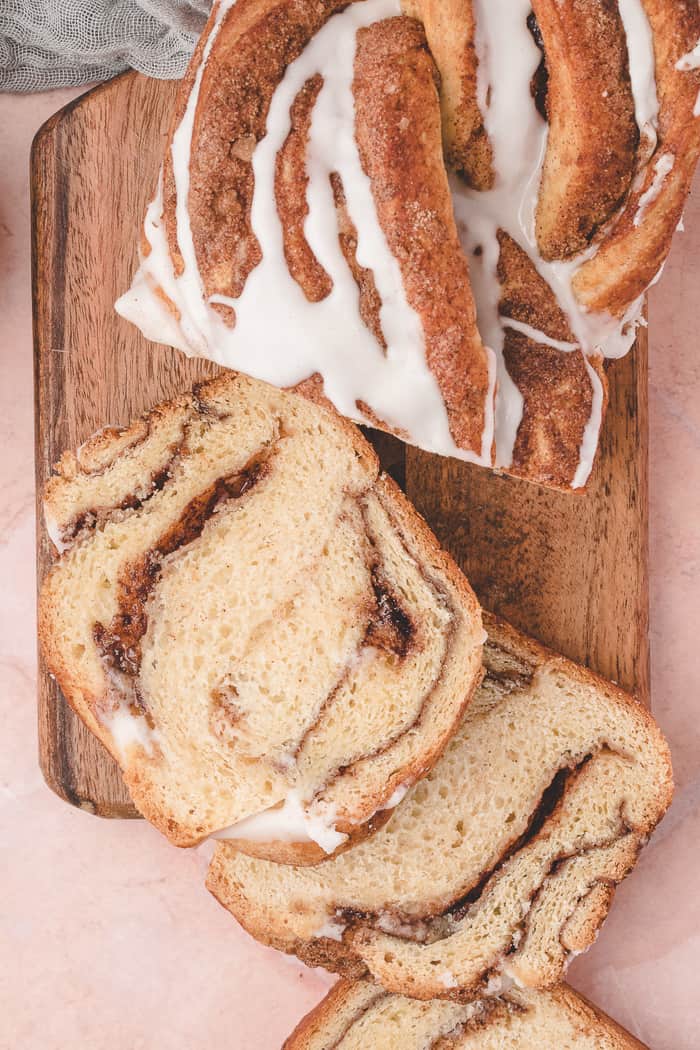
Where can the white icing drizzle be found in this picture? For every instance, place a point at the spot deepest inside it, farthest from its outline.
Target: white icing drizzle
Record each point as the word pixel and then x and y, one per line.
pixel 498 984
pixel 298 821
pixel 287 344
pixel 687 64
pixel 293 821
pixel 398 795
pixel 640 48
pixel 128 730
pixel 54 531
pixel 510 979
pixel 508 58
pixel 662 167
pixel 537 336
pixel 332 929
pixel 589 442
pixel 690 61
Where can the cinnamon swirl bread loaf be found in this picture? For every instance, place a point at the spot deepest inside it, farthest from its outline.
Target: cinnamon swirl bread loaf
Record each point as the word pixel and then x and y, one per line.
pixel 359 1015
pixel 304 229
pixel 501 863
pixel 254 621
pixel 573 127
pixel 303 224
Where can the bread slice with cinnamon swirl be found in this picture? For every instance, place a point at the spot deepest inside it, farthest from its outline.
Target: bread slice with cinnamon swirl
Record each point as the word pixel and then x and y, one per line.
pixel 497 866
pixel 254 620
pixel 358 1015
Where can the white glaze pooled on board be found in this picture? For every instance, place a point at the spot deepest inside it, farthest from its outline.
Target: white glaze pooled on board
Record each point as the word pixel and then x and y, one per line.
pixel 291 341
pixel 286 344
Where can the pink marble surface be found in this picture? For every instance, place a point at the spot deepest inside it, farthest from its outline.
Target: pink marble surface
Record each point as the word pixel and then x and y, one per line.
pixel 107 936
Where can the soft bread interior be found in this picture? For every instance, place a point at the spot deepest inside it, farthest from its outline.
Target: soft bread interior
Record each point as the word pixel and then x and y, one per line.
pixel 491 869
pixel 354 1016
pixel 269 615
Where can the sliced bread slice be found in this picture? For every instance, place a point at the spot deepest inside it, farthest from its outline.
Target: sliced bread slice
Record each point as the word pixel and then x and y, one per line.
pixel 357 1015
pixel 500 864
pixel 254 620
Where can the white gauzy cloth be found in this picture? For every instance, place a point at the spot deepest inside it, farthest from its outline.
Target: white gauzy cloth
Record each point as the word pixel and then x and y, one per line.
pixel 55 43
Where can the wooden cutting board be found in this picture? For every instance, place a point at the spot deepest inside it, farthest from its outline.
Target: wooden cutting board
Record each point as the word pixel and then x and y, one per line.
pixel 569 569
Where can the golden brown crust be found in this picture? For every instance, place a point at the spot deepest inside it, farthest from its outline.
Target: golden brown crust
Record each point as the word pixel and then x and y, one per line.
pixel 592 151
pixel 507 637
pixel 398 135
pixel 582 1006
pixel 101 449
pixel 347 1002
pixel 525 295
pixel 320 951
pixel 291 181
pixel 580 931
pixel 256 41
pixel 556 386
pixel 332 1018
pixel 450 28
pixel 370 301
pixel 593 135
pixel 558 403
pixel 631 255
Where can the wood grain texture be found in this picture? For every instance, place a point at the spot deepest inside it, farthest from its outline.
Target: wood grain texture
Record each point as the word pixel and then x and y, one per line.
pixel 571 570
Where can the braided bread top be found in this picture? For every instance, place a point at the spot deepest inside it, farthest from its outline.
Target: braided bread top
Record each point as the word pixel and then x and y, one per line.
pixel 306 231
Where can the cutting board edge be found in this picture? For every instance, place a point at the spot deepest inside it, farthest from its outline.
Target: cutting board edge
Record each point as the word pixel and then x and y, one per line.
pixel 55 768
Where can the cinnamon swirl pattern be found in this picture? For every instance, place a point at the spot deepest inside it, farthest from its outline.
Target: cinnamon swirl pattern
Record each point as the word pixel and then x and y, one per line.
pixel 501 864
pixel 305 232
pixel 254 621
pixel 356 1015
